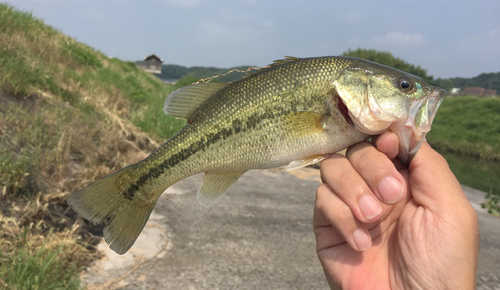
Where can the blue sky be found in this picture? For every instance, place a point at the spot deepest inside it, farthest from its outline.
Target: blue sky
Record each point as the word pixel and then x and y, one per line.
pixel 449 38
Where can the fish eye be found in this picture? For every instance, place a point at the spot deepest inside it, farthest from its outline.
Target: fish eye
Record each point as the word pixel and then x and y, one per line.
pixel 405 84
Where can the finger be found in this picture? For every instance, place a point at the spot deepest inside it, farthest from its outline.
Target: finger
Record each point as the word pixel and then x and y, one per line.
pixel 433 183
pixel 387 143
pixel 334 222
pixel 338 173
pixel 378 172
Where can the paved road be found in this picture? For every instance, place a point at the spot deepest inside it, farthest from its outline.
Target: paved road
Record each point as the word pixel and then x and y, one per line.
pixel 259 236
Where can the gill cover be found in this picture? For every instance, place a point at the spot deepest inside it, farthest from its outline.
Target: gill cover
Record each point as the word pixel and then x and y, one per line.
pixel 380 98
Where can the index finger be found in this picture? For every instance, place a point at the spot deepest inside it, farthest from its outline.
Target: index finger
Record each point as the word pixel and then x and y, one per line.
pixel 378 171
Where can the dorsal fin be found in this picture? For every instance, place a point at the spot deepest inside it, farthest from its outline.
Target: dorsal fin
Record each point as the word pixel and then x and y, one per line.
pixel 184 101
pixel 286 59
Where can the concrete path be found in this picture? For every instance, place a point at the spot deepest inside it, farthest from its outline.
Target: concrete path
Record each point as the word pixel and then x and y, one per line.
pixel 259 236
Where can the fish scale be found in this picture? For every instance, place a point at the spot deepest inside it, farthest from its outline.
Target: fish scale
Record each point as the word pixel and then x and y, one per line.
pixel 285 114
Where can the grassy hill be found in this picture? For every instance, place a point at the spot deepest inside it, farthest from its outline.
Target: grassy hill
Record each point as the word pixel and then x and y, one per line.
pixel 68 116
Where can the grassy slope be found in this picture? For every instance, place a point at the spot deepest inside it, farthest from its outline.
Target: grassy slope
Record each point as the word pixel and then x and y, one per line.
pixel 467 132
pixel 67 116
pixel 469 126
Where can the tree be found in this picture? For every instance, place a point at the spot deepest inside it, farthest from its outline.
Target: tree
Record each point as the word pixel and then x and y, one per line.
pixel 386 58
pixel 445 84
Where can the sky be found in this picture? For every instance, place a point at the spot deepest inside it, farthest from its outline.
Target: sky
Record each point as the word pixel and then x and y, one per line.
pixel 449 38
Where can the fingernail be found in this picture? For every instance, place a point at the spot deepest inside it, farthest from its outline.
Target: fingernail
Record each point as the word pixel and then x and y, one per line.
pixel 369 206
pixel 390 189
pixel 362 239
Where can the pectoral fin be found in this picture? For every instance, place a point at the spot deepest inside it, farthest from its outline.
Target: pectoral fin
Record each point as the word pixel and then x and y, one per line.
pixel 296 164
pixel 215 185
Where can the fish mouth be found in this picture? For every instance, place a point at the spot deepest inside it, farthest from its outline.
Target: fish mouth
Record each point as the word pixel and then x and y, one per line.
pixel 344 111
pixel 412 132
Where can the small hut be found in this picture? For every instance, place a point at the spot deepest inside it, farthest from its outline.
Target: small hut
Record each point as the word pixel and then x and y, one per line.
pixel 489 93
pixel 476 91
pixel 473 91
pixel 152 64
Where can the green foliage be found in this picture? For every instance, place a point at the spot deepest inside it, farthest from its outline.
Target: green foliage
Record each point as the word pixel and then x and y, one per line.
pixel 484 80
pixel 172 71
pixel 492 204
pixel 445 84
pixel 386 58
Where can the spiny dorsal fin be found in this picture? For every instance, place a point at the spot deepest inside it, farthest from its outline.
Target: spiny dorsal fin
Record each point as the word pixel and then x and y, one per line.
pixel 286 59
pixel 215 185
pixel 184 101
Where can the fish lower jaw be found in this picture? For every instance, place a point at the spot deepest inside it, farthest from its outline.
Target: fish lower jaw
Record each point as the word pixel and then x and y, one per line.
pixel 410 139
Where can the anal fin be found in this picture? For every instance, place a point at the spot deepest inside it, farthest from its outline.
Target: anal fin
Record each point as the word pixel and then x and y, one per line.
pixel 215 185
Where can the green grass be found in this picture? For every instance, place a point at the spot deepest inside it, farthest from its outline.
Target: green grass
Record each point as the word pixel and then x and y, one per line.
pixel 468 126
pixel 26 265
pixel 154 120
pixel 476 173
pixel 466 132
pixel 17 163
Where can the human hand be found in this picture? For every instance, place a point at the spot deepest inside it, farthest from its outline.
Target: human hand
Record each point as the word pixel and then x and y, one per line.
pixel 423 235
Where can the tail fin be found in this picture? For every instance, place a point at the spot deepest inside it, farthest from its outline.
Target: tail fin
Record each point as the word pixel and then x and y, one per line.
pixel 103 201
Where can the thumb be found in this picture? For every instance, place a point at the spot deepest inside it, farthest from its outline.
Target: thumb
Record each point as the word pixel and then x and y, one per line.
pixel 433 184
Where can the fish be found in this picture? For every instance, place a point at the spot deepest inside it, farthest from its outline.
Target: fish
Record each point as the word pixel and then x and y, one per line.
pixel 294 112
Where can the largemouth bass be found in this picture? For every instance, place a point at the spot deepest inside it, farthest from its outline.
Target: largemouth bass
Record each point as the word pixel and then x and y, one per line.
pixel 294 112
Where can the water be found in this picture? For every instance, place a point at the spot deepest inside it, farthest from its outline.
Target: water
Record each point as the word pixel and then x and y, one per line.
pixel 476 173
